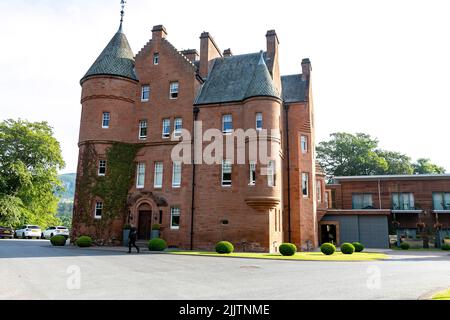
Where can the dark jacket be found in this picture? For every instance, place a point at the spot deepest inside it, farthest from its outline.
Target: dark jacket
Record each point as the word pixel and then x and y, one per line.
pixel 133 234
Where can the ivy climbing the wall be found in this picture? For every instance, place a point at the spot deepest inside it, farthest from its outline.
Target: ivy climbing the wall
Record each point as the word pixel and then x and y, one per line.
pixel 112 188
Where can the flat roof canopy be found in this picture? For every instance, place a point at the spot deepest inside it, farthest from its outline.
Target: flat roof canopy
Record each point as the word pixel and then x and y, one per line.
pixel 394 177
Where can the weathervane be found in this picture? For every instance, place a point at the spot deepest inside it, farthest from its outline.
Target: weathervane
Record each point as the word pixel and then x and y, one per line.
pixel 122 12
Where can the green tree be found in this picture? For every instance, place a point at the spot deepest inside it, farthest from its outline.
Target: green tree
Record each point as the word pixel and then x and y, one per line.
pixel 351 155
pixel 30 158
pixel 65 210
pixel 346 154
pixel 398 163
pixel 424 166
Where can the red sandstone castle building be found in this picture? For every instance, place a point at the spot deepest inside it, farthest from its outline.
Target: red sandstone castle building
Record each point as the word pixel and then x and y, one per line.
pixel 148 98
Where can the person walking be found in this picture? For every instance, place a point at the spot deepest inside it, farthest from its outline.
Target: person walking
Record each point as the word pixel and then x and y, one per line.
pixel 132 239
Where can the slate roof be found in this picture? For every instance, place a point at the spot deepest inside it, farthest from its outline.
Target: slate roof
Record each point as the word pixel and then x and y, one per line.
pixel 237 78
pixel 294 88
pixel 262 83
pixel 117 59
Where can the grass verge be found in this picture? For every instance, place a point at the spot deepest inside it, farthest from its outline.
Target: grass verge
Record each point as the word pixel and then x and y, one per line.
pixel 301 256
pixel 444 295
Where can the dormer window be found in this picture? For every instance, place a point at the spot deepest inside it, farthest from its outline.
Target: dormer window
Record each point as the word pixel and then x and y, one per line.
pixel 174 89
pixel 156 59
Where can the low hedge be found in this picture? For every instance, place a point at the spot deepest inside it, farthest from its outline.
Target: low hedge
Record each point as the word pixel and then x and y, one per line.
pixel 347 248
pixel 445 247
pixel 58 241
pixel 288 249
pixel 224 247
pixel 405 246
pixel 157 244
pixel 358 247
pixel 328 249
pixel 84 242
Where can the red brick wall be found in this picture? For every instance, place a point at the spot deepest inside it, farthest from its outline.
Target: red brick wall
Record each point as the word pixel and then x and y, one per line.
pixel 303 209
pixel 422 190
pixel 215 203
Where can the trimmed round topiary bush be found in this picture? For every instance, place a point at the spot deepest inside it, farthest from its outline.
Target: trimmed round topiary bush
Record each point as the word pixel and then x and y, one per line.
pixel 156 227
pixel 328 249
pixel 445 247
pixel 157 244
pixel 288 249
pixel 358 247
pixel 224 247
pixel 58 241
pixel 405 246
pixel 347 248
pixel 84 242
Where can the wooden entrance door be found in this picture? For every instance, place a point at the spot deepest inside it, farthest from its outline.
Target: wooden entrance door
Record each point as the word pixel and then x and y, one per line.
pixel 329 233
pixel 145 224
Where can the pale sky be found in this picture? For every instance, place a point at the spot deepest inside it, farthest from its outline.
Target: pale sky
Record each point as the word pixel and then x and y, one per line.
pixel 380 67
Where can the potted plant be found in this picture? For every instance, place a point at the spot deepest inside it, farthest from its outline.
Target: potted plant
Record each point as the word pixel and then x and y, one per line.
pixel 126 234
pixel 155 233
pixel 420 226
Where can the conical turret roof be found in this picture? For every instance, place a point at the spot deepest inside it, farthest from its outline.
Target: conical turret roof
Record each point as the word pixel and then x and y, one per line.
pixel 117 59
pixel 262 83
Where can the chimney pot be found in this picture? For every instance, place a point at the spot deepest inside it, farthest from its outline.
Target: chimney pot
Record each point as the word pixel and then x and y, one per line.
pixel 306 69
pixel 191 54
pixel 272 34
pixel 159 32
pixel 227 53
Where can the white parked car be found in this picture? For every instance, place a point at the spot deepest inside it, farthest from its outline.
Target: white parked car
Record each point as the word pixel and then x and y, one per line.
pixel 55 231
pixel 28 232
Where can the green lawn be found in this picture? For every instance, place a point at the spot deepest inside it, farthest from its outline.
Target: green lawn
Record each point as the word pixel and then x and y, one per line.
pixel 444 295
pixel 303 256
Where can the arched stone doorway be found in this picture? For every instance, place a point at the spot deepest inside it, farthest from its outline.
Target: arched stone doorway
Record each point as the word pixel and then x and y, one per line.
pixel 145 221
pixel 144 210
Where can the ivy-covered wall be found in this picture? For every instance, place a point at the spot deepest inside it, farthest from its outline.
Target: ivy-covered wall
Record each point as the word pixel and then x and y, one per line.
pixel 112 189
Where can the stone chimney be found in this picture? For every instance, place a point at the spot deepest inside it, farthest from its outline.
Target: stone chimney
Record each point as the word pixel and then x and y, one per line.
pixel 272 49
pixel 158 33
pixel 272 58
pixel 306 69
pixel 191 54
pixel 208 52
pixel 227 53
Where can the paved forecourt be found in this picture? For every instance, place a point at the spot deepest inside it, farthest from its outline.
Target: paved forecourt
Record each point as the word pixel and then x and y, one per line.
pixel 33 269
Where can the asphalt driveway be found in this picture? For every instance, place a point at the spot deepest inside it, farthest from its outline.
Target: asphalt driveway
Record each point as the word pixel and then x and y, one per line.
pixel 33 269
